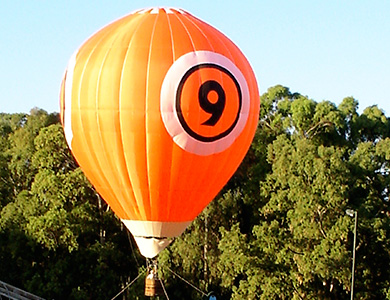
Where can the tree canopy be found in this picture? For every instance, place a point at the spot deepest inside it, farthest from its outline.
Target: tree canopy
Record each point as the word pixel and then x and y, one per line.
pixel 278 230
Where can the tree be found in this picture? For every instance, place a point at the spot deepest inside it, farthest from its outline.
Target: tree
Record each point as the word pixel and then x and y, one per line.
pixel 57 237
pixel 278 230
pixel 21 149
pixel 290 237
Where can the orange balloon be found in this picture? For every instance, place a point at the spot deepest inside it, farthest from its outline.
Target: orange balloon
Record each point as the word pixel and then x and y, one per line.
pixel 159 109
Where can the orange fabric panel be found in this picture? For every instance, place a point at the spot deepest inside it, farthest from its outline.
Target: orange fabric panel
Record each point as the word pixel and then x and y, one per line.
pixel 120 135
pixel 62 96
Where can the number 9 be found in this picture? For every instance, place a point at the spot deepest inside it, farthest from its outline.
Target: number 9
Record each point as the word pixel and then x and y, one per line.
pixel 215 109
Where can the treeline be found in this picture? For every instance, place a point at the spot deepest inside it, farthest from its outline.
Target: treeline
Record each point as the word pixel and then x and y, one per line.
pixel 278 230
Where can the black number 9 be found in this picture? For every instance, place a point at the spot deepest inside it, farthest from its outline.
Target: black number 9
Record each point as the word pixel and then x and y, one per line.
pixel 215 109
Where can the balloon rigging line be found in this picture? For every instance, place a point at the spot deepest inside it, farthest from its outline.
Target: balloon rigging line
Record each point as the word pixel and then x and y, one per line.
pixel 132 248
pixel 127 286
pixel 189 283
pixel 165 292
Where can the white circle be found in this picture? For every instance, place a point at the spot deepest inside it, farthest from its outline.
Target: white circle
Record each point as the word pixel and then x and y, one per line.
pixel 169 114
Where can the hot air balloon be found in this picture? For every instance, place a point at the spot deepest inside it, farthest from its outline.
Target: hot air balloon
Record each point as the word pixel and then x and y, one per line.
pixel 159 109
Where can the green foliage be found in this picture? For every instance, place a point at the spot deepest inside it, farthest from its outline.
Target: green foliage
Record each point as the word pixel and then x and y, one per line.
pixel 278 230
pixel 57 239
pixel 286 235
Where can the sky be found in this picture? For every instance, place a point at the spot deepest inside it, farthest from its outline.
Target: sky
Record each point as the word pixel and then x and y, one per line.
pixel 326 50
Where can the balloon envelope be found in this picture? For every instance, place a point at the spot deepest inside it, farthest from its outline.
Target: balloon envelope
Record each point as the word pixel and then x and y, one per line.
pixel 159 109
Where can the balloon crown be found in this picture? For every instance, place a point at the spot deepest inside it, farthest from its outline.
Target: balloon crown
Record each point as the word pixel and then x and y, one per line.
pixel 156 10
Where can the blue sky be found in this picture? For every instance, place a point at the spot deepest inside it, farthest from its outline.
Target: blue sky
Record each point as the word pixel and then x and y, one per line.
pixel 326 50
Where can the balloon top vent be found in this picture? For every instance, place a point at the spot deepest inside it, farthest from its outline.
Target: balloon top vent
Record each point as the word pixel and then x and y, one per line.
pixel 156 10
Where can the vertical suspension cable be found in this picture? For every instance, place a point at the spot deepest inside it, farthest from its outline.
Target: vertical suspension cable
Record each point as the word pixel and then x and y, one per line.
pixel 165 292
pixel 132 247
